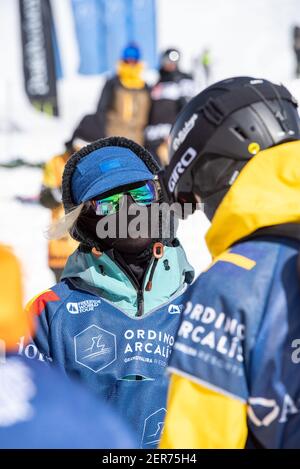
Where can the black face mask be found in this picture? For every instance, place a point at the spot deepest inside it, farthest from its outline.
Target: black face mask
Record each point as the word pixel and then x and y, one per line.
pixel 128 244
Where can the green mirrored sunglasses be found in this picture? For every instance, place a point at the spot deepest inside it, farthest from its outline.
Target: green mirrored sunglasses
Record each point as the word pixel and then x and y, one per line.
pixel 145 194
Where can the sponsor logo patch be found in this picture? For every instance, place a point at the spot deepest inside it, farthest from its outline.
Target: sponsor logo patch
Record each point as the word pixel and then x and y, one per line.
pixel 82 306
pixel 153 427
pixel 95 348
pixel 183 133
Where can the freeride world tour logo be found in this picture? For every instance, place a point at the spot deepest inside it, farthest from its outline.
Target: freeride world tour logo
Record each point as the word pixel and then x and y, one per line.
pixel 82 306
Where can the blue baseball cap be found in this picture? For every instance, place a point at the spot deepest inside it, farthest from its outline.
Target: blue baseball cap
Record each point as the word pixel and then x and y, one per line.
pixel 131 52
pixel 105 169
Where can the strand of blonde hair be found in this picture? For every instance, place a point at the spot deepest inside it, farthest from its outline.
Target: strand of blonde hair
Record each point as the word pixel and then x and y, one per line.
pixel 62 227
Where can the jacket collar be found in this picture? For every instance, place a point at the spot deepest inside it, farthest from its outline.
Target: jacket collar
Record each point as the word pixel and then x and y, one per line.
pixel 105 277
pixel 265 194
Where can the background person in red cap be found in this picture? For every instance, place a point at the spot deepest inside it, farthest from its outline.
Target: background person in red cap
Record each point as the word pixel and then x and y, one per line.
pixel 111 320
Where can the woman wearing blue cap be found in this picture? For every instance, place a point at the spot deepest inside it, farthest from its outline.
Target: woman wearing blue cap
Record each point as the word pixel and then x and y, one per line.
pixel 111 320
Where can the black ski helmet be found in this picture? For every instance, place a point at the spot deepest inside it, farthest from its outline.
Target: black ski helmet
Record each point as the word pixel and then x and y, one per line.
pixel 221 129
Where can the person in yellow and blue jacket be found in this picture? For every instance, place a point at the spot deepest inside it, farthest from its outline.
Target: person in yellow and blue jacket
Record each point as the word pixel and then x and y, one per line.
pixel 112 319
pixel 235 366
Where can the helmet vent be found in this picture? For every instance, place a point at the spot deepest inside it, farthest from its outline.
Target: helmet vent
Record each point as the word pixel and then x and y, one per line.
pixel 238 131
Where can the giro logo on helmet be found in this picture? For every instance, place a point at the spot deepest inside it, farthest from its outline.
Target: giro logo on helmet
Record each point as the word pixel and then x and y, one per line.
pixel 181 166
pixel 183 133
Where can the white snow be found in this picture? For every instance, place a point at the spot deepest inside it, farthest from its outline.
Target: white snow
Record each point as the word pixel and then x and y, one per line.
pixel 251 38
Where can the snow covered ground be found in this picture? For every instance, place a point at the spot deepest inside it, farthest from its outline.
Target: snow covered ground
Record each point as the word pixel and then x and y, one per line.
pixel 251 38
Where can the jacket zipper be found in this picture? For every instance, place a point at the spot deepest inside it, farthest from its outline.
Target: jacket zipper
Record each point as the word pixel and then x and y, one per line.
pixel 139 291
pixel 140 303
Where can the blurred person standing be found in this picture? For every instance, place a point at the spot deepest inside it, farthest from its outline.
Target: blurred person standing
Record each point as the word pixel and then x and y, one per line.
pixel 296 47
pixel 50 197
pixel 123 107
pixel 170 94
pixel 39 407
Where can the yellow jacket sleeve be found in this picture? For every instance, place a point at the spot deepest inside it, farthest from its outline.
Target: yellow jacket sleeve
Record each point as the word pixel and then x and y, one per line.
pixel 53 171
pixel 198 417
pixel 14 322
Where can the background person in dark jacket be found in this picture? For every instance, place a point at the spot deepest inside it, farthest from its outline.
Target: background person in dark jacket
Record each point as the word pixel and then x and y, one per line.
pixel 172 91
pixel 124 104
